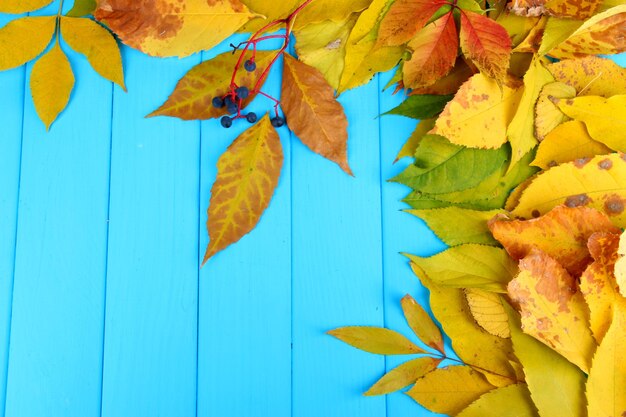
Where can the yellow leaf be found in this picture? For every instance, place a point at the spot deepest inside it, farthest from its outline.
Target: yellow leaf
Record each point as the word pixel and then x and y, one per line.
pixel 449 390
pixel 323 46
pixel 97 44
pixel 313 113
pixel 599 182
pixel 556 31
pixel 605 118
pixel 576 9
pixel 592 75
pixel 487 309
pixel 23 39
pixel 620 266
pixel 606 386
pixel 511 401
pixel 247 174
pixel 320 10
pixel 422 325
pixel 490 354
pixel 267 11
pixel 408 149
pixel 598 284
pixel 403 375
pixel 191 99
pixel 567 142
pixel 521 132
pixel 376 340
pixel 51 84
pixel 547 114
pixel 481 107
pixel 469 266
pixel 22 6
pixel 556 386
pixel 561 233
pixel 172 27
pixel 600 34
pixel 552 309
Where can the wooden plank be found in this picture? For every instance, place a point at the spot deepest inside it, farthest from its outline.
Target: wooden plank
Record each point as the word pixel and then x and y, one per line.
pixel 56 334
pixel 11 113
pixel 336 259
pixel 151 305
pixel 244 358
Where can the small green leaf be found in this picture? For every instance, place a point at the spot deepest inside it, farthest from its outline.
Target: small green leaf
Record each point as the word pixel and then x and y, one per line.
pixel 82 8
pixel 421 106
pixel 376 340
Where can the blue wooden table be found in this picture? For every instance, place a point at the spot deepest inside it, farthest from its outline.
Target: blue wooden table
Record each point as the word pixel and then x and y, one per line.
pixel 104 310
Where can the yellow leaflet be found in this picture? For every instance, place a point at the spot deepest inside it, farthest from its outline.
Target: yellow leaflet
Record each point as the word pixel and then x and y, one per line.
pixel 481 107
pixel 97 44
pixel 605 118
pixel 51 84
pixel 22 6
pixel 599 182
pixel 247 175
pixel 320 10
pixel 376 340
pixel 591 76
pixel 268 11
pixel 422 325
pixel 23 39
pixel 606 386
pixel 547 114
pixel 521 132
pixel 511 401
pixel 172 27
pixel 487 309
pixel 449 390
pixel 567 142
pixel 403 375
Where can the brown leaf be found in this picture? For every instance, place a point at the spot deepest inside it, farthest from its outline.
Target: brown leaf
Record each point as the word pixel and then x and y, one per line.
pixel 404 19
pixel 313 113
pixel 247 174
pixel 562 233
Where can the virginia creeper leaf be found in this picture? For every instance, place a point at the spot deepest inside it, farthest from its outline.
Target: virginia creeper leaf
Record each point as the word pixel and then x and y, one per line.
pixel 599 182
pixel 599 76
pixel 403 375
pixel 97 44
pixel 51 83
pixel 404 19
pixel 172 27
pixel 486 44
pixel 553 311
pixel 191 99
pixel 568 142
pixel 547 114
pixel 469 266
pixel 607 379
pixel 422 325
pixel 562 233
pixel 456 226
pixel 449 390
pixel 449 84
pixel 376 340
pixel 24 39
pixel 313 113
pixel 247 175
pixel 22 6
pixel 509 401
pixel 481 107
pixel 434 51
pixel 420 106
pixel 605 118
pixel 488 311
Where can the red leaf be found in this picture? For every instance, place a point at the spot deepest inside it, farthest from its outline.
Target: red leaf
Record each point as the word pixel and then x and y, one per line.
pixel 404 19
pixel 486 43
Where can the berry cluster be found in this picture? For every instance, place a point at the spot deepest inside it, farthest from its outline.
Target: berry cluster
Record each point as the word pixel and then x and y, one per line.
pixel 233 99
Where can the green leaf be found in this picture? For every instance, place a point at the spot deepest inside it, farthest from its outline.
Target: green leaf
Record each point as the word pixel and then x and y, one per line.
pixel 421 106
pixel 403 375
pixel 469 266
pixel 456 226
pixel 82 8
pixel 443 167
pixel 376 340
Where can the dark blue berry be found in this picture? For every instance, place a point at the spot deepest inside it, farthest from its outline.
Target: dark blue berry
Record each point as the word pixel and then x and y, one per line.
pixel 277 121
pixel 242 92
pixel 251 117
pixel 218 102
pixel 232 108
pixel 228 101
pixel 249 65
pixel 226 121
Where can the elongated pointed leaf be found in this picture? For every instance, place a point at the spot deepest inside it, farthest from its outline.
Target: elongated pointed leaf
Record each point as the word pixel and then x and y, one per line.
pixel 403 375
pixel 376 340
pixel 404 19
pixel 421 106
pixel 509 401
pixel 422 325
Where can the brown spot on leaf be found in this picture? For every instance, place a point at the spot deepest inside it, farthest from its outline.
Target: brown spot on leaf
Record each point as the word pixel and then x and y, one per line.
pixel 605 164
pixel 581 162
pixel 614 205
pixel 535 213
pixel 577 200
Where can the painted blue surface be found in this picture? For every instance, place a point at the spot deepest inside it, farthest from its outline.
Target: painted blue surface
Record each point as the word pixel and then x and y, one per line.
pixel 103 308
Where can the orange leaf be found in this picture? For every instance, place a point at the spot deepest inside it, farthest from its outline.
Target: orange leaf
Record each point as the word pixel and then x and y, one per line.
pixel 434 52
pixel 247 174
pixel 561 233
pixel 404 19
pixel 486 43
pixel 552 309
pixel 313 113
pixel 191 99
